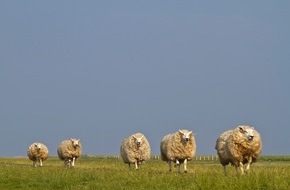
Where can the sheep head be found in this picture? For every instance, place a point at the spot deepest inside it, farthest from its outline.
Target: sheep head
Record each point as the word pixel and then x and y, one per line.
pixel 138 140
pixel 75 142
pixel 185 135
pixel 247 131
pixel 37 146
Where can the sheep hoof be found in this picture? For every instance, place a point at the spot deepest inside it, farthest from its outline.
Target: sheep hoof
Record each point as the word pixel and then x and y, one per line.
pixel 185 171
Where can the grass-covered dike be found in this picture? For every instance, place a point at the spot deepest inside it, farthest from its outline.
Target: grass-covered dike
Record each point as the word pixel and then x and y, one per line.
pixel 102 172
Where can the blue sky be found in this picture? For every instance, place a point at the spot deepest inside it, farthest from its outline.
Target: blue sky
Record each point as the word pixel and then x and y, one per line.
pixel 102 70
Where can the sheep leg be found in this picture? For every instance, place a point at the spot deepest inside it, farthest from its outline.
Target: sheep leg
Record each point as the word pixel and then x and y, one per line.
pixel 249 163
pixel 225 171
pixel 185 167
pixel 178 165
pixel 73 162
pixel 169 164
pixel 67 162
pixel 40 162
pixel 34 164
pixel 241 168
pixel 136 165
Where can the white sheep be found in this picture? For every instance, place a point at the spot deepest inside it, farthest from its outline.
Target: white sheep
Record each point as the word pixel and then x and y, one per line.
pixel 178 147
pixel 239 146
pixel 135 149
pixel 69 151
pixel 37 152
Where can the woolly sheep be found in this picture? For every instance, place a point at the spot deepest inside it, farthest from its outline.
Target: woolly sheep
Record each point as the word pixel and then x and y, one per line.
pixel 37 152
pixel 178 147
pixel 239 146
pixel 135 149
pixel 69 151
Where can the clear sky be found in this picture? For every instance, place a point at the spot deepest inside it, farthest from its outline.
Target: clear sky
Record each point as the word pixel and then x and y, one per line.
pixel 102 70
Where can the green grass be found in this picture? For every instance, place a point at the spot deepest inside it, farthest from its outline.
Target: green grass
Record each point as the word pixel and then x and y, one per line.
pixel 101 173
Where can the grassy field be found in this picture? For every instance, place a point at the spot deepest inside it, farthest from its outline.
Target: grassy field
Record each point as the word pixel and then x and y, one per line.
pixel 111 173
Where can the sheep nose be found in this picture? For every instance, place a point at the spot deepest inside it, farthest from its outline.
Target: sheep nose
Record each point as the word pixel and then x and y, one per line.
pixel 186 139
pixel 251 137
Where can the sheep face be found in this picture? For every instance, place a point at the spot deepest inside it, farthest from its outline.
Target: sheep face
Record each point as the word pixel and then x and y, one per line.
pixel 248 132
pixel 37 146
pixel 138 140
pixel 75 142
pixel 185 135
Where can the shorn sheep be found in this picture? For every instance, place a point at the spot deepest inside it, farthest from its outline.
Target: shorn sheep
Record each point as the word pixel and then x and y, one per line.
pixel 179 148
pixel 69 151
pixel 135 149
pixel 37 152
pixel 239 146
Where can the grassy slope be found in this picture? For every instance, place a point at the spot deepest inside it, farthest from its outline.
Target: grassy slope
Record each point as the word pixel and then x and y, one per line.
pixel 96 173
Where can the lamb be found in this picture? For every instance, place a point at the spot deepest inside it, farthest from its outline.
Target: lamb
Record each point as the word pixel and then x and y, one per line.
pixel 178 147
pixel 69 151
pixel 239 146
pixel 135 149
pixel 37 152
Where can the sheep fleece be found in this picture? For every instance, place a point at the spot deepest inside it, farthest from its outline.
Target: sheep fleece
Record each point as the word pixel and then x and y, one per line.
pixel 66 150
pixel 131 153
pixel 233 147
pixel 35 155
pixel 172 147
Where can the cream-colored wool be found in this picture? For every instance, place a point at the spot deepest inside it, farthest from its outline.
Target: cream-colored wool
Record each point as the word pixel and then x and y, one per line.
pixel 178 147
pixel 69 151
pixel 239 146
pixel 37 152
pixel 135 149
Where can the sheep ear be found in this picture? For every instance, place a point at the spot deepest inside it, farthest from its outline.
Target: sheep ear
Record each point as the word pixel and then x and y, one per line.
pixel 180 131
pixel 241 129
pixel 78 140
pixel 190 132
pixel 253 128
pixel 134 136
pixel 142 137
pixel 71 140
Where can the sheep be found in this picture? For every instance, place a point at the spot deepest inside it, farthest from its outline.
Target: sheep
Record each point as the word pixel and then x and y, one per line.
pixel 135 149
pixel 178 147
pixel 69 151
pixel 239 146
pixel 37 152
